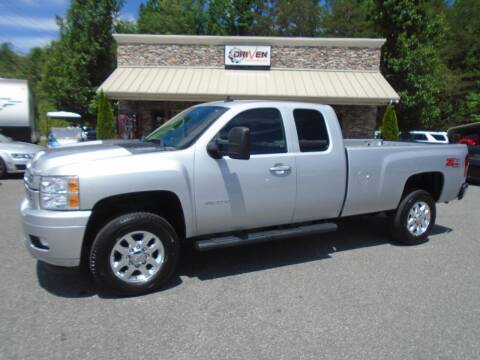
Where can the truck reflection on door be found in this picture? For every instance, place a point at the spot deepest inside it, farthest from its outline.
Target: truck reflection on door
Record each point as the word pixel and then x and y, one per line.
pixel 127 126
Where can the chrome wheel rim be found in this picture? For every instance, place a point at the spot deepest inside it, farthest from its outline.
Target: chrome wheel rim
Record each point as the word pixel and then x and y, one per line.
pixel 137 256
pixel 419 218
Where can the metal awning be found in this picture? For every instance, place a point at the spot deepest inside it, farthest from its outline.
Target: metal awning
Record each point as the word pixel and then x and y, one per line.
pixel 209 84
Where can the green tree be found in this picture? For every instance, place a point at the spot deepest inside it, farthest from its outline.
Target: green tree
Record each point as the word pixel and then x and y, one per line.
pixel 461 55
pixel 238 17
pixel 410 59
pixel 11 64
pixel 347 18
pixel 171 17
pixel 105 118
pixel 84 56
pixel 389 129
pixel 297 17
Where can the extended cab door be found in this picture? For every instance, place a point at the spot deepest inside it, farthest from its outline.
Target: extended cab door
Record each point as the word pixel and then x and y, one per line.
pixel 321 164
pixel 245 194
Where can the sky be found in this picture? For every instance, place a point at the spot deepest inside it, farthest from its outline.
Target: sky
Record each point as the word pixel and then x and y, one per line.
pixel 31 23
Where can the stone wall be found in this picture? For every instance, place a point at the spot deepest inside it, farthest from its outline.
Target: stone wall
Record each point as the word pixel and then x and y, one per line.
pixel 358 122
pixel 292 57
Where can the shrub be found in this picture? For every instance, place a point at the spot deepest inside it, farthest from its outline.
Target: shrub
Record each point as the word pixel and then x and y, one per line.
pixel 105 118
pixel 389 128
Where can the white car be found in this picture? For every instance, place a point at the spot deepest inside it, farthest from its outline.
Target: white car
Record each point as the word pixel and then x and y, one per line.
pixel 435 137
pixel 14 155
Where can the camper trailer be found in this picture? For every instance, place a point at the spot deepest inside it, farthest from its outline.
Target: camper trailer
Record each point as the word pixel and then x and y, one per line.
pixel 17 111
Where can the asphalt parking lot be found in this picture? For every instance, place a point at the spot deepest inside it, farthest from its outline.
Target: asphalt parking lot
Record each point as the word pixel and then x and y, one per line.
pixel 349 295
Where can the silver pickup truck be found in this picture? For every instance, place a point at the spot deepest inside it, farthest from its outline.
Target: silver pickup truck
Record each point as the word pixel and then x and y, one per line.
pixel 224 174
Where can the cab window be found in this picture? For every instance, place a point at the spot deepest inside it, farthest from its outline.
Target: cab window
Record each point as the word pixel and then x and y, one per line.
pixel 266 130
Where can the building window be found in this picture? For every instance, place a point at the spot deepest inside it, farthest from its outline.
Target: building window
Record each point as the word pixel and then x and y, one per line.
pixel 266 130
pixel 311 130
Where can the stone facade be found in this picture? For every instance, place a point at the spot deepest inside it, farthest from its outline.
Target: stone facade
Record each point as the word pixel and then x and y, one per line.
pixel 291 57
pixel 358 122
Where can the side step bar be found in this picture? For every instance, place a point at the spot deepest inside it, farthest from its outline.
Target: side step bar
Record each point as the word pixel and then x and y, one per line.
pixel 261 236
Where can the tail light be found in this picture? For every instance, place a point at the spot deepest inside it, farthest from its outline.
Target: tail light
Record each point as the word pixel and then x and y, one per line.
pixel 467 164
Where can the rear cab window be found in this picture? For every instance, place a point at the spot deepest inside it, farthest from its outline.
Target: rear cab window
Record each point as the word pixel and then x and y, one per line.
pixel 267 133
pixel 311 130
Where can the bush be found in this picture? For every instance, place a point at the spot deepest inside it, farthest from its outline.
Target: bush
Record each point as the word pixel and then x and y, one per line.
pixel 389 128
pixel 105 118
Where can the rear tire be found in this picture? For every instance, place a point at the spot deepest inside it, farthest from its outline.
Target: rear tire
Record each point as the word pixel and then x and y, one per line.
pixel 134 254
pixel 414 218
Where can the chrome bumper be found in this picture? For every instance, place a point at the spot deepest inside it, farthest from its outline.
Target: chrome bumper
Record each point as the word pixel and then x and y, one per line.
pixel 54 237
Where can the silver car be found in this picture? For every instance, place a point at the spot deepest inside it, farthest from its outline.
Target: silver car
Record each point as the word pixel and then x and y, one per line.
pixel 14 155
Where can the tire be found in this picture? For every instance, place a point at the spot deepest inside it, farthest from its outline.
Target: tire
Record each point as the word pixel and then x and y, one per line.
pixel 3 169
pixel 417 202
pixel 134 254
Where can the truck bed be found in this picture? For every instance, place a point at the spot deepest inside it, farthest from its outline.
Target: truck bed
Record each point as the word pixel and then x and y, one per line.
pixel 378 171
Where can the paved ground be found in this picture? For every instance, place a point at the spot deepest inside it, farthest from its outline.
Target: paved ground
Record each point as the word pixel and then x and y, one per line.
pixel 349 295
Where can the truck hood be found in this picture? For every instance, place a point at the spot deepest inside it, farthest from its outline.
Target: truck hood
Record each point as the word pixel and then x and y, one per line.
pixel 45 161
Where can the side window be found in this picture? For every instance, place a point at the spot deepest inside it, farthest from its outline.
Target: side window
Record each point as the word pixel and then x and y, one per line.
pixel 266 130
pixel 311 130
pixel 419 137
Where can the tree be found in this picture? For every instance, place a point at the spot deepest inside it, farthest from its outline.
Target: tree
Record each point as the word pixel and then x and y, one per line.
pixel 410 58
pixel 347 18
pixel 461 55
pixel 297 17
pixel 389 129
pixel 84 56
pixel 171 17
pixel 239 17
pixel 105 118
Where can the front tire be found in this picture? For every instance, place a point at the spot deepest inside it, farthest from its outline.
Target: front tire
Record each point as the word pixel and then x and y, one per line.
pixel 414 218
pixel 3 169
pixel 134 254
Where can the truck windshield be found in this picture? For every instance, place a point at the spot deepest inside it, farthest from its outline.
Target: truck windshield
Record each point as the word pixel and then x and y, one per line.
pixel 184 129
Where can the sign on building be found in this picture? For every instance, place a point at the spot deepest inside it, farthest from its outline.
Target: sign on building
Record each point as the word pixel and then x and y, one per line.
pixel 238 56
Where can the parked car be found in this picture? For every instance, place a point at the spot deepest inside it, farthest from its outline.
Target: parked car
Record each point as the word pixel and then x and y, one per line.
pixel 434 137
pixel 469 135
pixel 225 174
pixel 65 136
pixel 14 155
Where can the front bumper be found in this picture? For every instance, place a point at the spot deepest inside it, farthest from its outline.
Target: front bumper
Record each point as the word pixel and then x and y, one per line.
pixel 16 165
pixel 54 237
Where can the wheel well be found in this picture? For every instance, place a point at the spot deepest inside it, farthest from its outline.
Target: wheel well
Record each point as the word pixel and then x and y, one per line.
pixel 163 203
pixel 431 182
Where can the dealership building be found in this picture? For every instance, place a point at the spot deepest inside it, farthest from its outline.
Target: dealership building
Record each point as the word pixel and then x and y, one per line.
pixel 160 75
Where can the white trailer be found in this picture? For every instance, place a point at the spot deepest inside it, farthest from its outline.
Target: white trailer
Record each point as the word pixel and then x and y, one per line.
pixel 18 119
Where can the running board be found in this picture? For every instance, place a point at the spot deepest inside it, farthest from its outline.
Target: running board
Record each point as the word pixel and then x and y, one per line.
pixel 277 234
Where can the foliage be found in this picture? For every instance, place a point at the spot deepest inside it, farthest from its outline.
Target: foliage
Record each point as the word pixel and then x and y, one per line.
pixel 83 57
pixel 461 55
pixel 105 118
pixel 347 18
pixel 389 129
pixel 297 18
pixel 410 58
pixel 171 17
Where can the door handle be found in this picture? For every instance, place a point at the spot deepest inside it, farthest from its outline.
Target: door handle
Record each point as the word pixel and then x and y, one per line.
pixel 280 169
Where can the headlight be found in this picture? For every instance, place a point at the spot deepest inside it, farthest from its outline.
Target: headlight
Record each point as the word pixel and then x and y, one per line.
pixel 22 156
pixel 59 193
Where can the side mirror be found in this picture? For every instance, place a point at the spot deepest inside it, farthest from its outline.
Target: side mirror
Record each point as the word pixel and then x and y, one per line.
pixel 239 145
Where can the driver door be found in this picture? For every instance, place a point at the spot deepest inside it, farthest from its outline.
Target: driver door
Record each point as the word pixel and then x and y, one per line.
pixel 246 194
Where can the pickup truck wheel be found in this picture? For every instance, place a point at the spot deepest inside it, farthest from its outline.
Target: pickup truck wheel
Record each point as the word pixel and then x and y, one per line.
pixel 414 218
pixel 134 254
